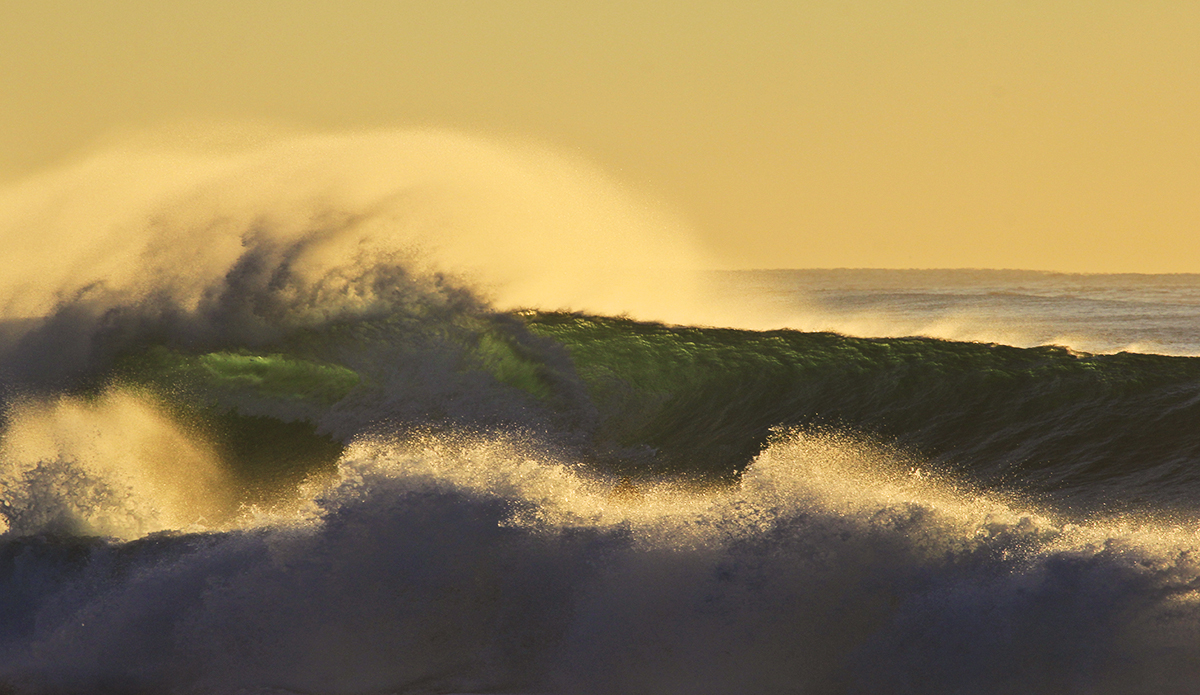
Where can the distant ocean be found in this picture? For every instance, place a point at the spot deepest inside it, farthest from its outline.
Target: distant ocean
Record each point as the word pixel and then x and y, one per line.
pixel 1105 313
pixel 240 454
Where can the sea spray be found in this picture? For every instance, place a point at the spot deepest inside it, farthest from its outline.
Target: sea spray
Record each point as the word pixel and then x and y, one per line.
pixel 114 465
pixel 527 226
pixel 476 564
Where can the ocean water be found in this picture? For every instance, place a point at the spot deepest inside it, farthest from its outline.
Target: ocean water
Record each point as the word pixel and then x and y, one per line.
pixel 254 441
pixel 1099 313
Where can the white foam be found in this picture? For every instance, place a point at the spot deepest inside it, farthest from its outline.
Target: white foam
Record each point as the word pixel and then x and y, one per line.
pixel 481 564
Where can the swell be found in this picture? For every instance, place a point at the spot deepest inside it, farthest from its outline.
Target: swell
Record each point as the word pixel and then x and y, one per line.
pixel 1080 432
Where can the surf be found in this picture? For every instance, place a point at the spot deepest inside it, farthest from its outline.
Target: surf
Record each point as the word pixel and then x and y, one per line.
pixel 419 412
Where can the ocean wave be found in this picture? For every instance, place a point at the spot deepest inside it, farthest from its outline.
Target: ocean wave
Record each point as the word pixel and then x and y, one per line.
pixel 315 418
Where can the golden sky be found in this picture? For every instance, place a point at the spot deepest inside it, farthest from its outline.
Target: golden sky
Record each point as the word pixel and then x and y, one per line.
pixel 1039 134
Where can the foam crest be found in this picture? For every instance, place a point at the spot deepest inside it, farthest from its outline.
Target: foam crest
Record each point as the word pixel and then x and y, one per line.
pixel 485 564
pixel 544 489
pixel 818 476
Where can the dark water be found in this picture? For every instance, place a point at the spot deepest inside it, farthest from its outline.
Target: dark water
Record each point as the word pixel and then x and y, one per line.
pixel 433 497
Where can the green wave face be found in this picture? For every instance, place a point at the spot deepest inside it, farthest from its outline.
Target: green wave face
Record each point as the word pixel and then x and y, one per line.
pixel 282 412
pixel 273 375
pixel 260 411
pixel 270 377
pixel 645 399
pixel 505 361
pixel 1051 422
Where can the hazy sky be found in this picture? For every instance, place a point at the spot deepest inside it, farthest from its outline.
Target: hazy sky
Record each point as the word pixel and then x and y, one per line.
pixel 1036 134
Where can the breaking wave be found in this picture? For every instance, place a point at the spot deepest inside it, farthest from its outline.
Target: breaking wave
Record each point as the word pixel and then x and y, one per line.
pixel 345 415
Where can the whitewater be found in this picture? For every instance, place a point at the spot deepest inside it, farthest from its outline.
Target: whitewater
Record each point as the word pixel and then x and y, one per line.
pixel 420 412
